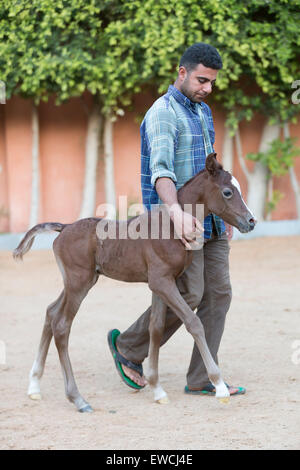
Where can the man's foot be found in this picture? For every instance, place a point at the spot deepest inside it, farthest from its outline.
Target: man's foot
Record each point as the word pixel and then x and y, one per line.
pixel 130 373
pixel 209 389
pixel 133 374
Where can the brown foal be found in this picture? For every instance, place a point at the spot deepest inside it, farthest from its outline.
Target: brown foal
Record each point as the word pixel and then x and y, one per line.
pixel 82 254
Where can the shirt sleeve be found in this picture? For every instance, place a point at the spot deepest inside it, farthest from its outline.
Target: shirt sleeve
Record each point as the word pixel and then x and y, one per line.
pixel 162 136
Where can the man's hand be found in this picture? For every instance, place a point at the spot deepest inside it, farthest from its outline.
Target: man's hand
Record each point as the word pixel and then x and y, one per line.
pixel 186 226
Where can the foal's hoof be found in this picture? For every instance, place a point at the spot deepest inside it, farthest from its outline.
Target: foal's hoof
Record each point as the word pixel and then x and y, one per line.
pixel 35 396
pixel 163 401
pixel 86 409
pixel 224 400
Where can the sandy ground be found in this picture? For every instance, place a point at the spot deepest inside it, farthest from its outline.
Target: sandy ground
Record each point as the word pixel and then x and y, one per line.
pixel 258 351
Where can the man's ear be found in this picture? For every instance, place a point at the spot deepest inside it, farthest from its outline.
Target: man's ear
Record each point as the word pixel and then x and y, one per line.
pixel 212 165
pixel 182 73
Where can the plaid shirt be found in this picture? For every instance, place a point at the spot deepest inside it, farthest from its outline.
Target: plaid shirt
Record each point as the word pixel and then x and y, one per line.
pixel 176 137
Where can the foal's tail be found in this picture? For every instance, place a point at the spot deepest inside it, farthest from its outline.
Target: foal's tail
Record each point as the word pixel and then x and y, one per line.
pixel 27 241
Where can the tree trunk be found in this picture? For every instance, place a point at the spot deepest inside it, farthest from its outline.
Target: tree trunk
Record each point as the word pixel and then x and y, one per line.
pixel 35 182
pixel 258 178
pixel 257 190
pixel 110 191
pixel 293 177
pixel 270 197
pixel 91 159
pixel 227 151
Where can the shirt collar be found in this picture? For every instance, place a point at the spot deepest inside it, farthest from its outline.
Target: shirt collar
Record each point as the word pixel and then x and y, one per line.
pixel 182 99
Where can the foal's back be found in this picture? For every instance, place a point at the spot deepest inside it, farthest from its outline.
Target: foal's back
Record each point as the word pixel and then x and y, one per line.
pixel 82 245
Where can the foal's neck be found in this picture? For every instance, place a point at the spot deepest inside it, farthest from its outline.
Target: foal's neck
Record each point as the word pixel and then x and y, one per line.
pixel 193 191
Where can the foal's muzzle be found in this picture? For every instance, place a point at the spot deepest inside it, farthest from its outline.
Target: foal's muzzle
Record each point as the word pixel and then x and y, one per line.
pixel 246 224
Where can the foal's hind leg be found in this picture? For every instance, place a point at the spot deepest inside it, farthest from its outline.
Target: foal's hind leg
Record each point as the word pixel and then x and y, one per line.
pixel 77 286
pixel 156 330
pixel 37 369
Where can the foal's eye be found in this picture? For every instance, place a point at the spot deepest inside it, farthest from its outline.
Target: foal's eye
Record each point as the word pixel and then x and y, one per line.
pixel 227 193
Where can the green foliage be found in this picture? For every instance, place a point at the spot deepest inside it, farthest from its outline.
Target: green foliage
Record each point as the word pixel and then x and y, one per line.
pixel 57 48
pixel 112 48
pixel 272 203
pixel 46 47
pixel 279 158
pixel 258 41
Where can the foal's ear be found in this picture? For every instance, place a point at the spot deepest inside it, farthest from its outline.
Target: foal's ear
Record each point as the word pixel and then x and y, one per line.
pixel 212 165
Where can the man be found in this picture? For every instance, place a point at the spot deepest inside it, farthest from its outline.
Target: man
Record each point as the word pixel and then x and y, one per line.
pixel 177 134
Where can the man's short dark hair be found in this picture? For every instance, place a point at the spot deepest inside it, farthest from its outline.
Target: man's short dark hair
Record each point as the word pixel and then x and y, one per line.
pixel 201 53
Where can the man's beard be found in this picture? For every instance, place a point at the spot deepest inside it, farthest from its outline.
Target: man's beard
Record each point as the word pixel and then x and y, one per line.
pixel 185 90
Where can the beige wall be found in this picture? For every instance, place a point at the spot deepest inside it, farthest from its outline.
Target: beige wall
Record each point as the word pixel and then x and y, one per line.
pixel 62 147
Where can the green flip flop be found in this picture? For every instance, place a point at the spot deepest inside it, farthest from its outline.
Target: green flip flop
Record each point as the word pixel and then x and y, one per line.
pixel 119 359
pixel 209 390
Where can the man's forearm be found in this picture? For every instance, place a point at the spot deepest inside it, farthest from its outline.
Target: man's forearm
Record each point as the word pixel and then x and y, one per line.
pixel 186 226
pixel 166 190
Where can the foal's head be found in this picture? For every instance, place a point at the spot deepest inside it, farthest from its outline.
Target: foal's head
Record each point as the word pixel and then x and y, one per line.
pixel 224 197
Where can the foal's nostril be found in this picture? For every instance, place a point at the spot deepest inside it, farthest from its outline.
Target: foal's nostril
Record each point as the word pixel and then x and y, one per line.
pixel 252 222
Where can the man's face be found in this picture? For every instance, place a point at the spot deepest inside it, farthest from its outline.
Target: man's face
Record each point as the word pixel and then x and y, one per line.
pixel 198 83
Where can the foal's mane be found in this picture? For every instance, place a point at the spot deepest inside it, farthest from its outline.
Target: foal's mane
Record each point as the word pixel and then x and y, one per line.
pixel 193 178
pixel 227 174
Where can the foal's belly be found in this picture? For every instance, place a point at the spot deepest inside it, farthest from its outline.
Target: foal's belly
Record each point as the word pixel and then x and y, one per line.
pixel 122 260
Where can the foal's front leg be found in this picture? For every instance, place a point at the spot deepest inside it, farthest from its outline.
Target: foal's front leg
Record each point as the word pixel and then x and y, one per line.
pixel 167 290
pixel 156 330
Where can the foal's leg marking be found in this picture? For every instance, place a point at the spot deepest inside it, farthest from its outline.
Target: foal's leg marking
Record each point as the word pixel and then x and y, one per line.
pixel 222 392
pixel 160 395
pixel 34 391
pixel 37 369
